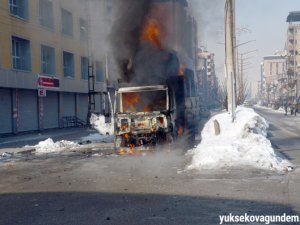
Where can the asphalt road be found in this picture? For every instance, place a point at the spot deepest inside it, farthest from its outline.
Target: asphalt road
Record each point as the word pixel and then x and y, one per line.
pixel 145 189
pixel 284 132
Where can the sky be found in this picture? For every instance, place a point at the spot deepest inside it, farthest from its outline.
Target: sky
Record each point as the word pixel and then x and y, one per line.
pixel 260 20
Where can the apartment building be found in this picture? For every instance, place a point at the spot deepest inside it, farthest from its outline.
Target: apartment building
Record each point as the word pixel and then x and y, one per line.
pixel 44 62
pixel 293 48
pixel 274 69
pixel 207 76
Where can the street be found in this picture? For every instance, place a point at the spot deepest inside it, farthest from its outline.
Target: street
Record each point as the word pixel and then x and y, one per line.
pixel 152 188
pixel 284 133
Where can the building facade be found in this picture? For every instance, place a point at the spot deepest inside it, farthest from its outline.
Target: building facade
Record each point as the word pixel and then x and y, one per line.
pixel 293 50
pixel 207 77
pixel 43 39
pixel 276 88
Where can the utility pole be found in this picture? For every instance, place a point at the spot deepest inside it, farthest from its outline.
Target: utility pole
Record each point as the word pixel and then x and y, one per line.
pixel 238 74
pixel 242 89
pixel 230 52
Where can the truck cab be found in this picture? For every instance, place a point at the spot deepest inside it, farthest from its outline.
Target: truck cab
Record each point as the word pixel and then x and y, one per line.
pixel 142 117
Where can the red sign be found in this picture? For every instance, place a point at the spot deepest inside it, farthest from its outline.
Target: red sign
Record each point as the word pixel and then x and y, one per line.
pixel 48 82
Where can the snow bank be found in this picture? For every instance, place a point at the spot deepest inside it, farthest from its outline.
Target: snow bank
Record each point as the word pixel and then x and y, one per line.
pixel 99 124
pixel 49 146
pixel 242 143
pixel 5 156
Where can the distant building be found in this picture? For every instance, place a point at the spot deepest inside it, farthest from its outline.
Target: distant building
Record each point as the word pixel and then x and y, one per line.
pixel 293 48
pixel 49 39
pixel 275 78
pixel 274 67
pixel 207 77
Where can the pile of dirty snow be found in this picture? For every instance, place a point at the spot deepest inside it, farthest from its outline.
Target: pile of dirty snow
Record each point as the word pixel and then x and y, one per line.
pixel 242 143
pixel 98 122
pixel 49 146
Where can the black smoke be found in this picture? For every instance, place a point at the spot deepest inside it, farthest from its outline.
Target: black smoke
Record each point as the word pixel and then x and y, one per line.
pixel 125 33
pixel 139 62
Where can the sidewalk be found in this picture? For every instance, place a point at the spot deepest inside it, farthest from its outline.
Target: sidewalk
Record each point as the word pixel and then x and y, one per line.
pixel 20 140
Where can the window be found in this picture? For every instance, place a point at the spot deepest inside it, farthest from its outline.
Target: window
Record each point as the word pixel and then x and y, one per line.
pixel 84 68
pixel 83 30
pixel 99 71
pixel 21 54
pixel 68 63
pixel 46 14
pixel 19 8
pixel 67 22
pixel 47 60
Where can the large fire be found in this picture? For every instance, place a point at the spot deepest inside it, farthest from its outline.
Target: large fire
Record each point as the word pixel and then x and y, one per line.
pixel 133 102
pixel 130 100
pixel 151 32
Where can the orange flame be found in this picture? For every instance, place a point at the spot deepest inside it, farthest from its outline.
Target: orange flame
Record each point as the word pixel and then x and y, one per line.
pixel 122 152
pixel 130 100
pixel 181 70
pixel 126 136
pixel 151 33
pixel 180 131
pixel 131 151
pixel 124 127
pixel 161 120
pixel 147 108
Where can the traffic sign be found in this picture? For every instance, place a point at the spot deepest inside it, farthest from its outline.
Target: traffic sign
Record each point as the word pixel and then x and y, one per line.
pixel 48 82
pixel 42 92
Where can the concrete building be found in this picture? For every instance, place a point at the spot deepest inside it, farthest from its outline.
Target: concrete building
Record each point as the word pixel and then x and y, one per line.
pixel 43 39
pixel 293 50
pixel 207 77
pixel 275 78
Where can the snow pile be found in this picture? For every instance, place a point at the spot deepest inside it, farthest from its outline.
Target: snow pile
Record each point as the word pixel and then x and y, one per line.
pixel 97 138
pixel 5 156
pixel 242 143
pixel 99 124
pixel 49 146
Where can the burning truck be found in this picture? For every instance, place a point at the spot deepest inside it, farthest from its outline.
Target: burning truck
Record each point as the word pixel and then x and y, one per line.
pixel 159 114
pixel 143 116
pixel 158 99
